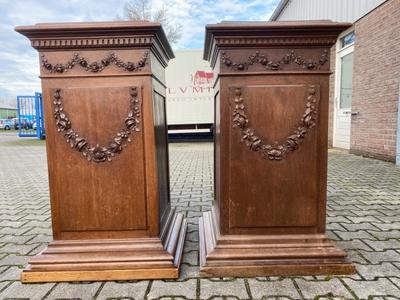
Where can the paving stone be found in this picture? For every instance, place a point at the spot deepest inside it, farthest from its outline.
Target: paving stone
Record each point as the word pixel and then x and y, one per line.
pixel 354 245
pixel 388 226
pixel 343 206
pixel 3 269
pixel 282 288
pixel 39 218
pixel 335 226
pixel 337 219
pixel 188 271
pixel 339 298
pixel 385 235
pixel 387 212
pixel 192 228
pixel 332 236
pixel 173 288
pixel 382 256
pixel 17 239
pixel 350 235
pixel 14 260
pixel 40 238
pixel 228 287
pixel 4 284
pixel 190 246
pixel 78 290
pixel 367 289
pixel 332 287
pixel 38 230
pixel 12 223
pixel 363 216
pixel 334 213
pixel 397 264
pixel 360 226
pixel 11 273
pixel 192 236
pixel 388 219
pixel 370 272
pixel 362 219
pixel 12 217
pixel 356 257
pixel 355 276
pixel 31 291
pixel 191 258
pixel 13 231
pixel 18 249
pixel 125 290
pixel 38 249
pixel 38 223
pixel 396 281
pixel 376 213
pixel 383 245
pixel 194 214
pixel 8 212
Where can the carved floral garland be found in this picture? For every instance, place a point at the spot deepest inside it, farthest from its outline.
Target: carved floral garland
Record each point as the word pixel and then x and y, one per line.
pixel 289 58
pixel 98 153
pixel 275 151
pixel 95 67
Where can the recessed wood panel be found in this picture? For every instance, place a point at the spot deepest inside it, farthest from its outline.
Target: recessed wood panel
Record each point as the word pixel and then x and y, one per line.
pixel 100 196
pixel 266 193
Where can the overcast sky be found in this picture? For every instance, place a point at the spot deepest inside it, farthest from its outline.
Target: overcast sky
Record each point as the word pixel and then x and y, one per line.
pixel 19 66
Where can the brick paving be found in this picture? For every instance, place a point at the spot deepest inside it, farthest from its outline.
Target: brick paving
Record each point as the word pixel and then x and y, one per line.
pixel 363 218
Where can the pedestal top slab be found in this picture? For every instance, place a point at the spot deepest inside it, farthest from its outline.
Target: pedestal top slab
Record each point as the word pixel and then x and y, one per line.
pixel 270 34
pixel 93 35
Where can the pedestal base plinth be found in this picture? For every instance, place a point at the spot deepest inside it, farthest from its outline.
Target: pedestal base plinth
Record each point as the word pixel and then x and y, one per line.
pixel 111 259
pixel 267 255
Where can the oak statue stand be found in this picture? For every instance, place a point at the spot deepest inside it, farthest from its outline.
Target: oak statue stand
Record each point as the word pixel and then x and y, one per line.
pixel 271 125
pixel 104 100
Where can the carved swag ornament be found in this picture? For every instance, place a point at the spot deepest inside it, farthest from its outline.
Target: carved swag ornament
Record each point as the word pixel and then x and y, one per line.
pixel 276 151
pixel 94 67
pixel 287 59
pixel 97 153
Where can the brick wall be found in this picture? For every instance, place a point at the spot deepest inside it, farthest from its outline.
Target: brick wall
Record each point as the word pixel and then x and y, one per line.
pixel 376 79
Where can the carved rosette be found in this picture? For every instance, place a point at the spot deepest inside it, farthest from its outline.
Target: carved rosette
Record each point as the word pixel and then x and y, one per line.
pixel 269 64
pixel 94 67
pixel 98 153
pixel 277 150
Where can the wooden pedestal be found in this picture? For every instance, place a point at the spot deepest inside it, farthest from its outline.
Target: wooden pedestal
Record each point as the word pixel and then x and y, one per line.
pixel 271 125
pixel 104 100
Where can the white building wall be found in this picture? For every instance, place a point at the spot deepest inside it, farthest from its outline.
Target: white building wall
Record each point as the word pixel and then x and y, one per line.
pixel 335 10
pixel 189 97
pixel 8 102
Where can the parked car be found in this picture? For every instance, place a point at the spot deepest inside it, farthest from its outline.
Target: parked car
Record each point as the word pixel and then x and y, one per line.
pixel 6 124
pixel 15 120
pixel 25 123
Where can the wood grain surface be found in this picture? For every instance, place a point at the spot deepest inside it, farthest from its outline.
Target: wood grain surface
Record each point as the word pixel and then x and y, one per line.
pixel 111 220
pixel 271 124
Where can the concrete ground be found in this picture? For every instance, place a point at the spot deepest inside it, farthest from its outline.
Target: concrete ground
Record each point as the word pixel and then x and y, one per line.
pixel 363 217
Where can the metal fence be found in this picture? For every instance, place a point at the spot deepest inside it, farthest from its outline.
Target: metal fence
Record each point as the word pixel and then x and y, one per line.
pixel 30 122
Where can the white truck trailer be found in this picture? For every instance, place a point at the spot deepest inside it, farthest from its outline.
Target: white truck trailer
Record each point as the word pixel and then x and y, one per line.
pixel 190 107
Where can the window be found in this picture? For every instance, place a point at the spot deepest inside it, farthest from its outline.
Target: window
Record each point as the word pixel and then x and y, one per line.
pixel 348 39
pixel 346 81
